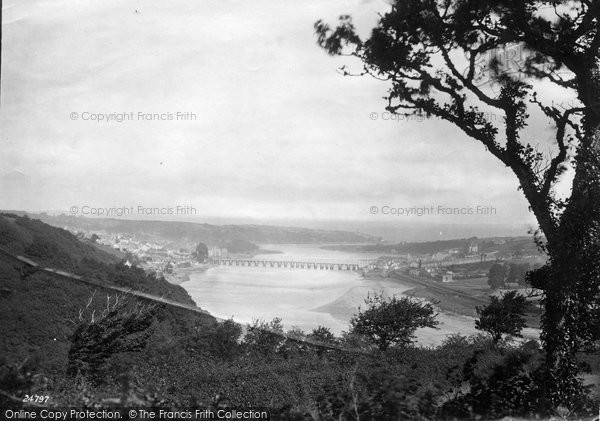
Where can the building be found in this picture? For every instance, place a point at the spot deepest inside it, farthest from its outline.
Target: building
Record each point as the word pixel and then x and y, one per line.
pixel 215 251
pixel 169 267
pixel 473 248
pixel 446 276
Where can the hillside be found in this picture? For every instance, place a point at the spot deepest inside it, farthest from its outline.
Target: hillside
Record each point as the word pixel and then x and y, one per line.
pixel 509 245
pixel 39 310
pixel 185 360
pixel 206 233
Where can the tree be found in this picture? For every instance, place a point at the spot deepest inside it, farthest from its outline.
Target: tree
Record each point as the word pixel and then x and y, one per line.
pixel 517 272
pixel 265 337
pixel 201 253
pixel 122 326
pixel 391 321
pixel 502 316
pixel 496 276
pixel 437 56
pixel 223 339
pixel 322 335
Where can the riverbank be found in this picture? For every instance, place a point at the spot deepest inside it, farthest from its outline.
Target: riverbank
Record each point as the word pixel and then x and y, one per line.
pixel 183 274
pixel 455 307
pixel 346 305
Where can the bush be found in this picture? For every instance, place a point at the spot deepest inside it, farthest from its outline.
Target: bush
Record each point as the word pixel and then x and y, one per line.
pixel 502 382
pixel 123 326
pixel 503 316
pixel 264 337
pixel 392 321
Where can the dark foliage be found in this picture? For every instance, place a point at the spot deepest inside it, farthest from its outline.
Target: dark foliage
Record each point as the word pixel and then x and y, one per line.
pixel 503 316
pixel 122 326
pixel 392 321
pixel 496 276
pixel 517 273
pixel 38 309
pixel 172 358
pixel 201 252
pixel 448 58
pixel 264 338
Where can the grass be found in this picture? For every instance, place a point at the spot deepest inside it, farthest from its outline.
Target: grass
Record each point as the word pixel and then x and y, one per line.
pixel 461 296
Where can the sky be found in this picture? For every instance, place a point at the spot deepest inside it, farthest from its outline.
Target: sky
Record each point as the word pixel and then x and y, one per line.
pixel 278 133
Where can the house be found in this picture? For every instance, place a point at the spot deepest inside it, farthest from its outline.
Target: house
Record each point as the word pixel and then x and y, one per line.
pixel 473 248
pixel 444 276
pixel 169 267
pixel 414 264
pixel 447 277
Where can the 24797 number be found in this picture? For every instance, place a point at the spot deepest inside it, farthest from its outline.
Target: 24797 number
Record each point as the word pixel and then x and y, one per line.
pixel 36 398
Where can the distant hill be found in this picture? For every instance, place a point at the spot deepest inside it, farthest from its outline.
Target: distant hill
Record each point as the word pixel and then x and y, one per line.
pixel 507 245
pixel 38 310
pixel 189 232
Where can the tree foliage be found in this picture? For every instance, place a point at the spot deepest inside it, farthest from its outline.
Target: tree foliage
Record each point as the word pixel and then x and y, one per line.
pixel 264 337
pixel 496 276
pixel 201 252
pixel 323 334
pixel 517 273
pixel 392 321
pixel 503 316
pixel 447 58
pixel 123 326
pixel 220 339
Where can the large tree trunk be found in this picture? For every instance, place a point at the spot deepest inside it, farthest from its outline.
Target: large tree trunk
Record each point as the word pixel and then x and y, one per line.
pixel 572 290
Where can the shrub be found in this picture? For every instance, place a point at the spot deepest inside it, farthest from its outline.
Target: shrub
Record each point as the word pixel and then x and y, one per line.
pixel 503 316
pixel 392 321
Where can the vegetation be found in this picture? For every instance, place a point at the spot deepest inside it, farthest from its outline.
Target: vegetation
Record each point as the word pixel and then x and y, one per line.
pixel 501 274
pixel 507 246
pixel 496 276
pixel 185 233
pixel 122 326
pixel 392 321
pixel 503 316
pixel 105 351
pixel 239 246
pixel 517 273
pixel 201 253
pixel 431 53
pixel 39 311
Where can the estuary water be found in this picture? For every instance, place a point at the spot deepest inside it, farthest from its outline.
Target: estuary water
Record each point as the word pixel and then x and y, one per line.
pixel 304 298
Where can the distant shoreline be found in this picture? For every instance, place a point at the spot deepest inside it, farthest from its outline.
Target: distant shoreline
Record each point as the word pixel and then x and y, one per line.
pixel 183 274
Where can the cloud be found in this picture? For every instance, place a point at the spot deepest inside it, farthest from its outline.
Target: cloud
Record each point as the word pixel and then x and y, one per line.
pixel 276 130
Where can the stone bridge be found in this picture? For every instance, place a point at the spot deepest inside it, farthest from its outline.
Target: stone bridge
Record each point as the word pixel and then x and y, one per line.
pixel 292 264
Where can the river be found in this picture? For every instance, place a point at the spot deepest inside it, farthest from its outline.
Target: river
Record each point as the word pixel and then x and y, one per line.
pixel 298 296
pixel 303 298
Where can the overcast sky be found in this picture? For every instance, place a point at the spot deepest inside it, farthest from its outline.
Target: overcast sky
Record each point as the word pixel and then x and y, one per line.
pixel 279 133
